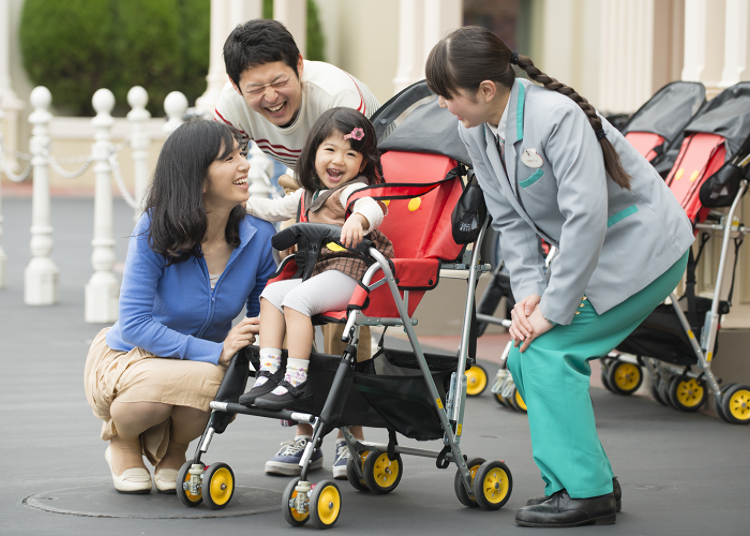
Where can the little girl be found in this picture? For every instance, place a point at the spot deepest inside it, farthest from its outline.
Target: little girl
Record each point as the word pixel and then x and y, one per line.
pixel 339 158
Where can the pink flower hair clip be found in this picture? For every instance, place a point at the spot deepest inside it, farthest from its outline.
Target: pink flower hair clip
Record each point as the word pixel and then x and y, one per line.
pixel 357 134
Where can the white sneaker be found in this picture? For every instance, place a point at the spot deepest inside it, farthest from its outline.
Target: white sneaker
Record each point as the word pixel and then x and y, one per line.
pixel 342 457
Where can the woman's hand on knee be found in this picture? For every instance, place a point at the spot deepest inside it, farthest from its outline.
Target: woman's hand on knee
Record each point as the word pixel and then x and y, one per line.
pixel 520 327
pixel 238 337
pixel 539 326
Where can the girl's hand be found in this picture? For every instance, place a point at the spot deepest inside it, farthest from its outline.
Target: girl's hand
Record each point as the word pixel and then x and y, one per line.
pixel 353 230
pixel 238 337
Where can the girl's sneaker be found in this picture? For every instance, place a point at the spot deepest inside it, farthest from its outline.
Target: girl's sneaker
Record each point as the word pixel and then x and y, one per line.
pixel 342 457
pixel 286 461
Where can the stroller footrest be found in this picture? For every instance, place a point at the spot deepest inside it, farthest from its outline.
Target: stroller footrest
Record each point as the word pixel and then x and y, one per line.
pixel 284 414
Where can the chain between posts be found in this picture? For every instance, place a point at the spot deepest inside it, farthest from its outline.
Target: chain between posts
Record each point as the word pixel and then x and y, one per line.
pixel 55 163
pixel 6 169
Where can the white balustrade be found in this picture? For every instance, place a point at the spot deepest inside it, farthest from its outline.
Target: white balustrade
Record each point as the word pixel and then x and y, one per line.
pixel 41 284
pixel 103 289
pixel 261 168
pixel 3 256
pixel 175 104
pixel 139 143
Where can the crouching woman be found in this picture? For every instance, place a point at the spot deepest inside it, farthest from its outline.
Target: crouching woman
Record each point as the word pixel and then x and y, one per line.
pixel 194 260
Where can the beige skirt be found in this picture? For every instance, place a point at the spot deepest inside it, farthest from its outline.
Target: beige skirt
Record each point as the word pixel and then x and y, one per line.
pixel 139 376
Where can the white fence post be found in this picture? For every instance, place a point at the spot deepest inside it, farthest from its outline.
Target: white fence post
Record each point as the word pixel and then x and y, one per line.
pixel 3 256
pixel 103 289
pixel 260 171
pixel 41 285
pixel 139 142
pixel 175 104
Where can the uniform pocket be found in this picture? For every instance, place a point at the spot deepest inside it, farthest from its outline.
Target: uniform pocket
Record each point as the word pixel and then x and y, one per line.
pixel 538 174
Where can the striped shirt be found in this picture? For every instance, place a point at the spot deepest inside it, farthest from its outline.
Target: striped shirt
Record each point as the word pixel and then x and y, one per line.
pixel 324 86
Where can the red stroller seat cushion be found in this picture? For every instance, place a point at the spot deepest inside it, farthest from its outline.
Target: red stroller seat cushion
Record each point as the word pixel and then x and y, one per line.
pixel 645 143
pixel 701 155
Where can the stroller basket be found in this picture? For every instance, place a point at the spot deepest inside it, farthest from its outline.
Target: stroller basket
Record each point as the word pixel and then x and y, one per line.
pixel 663 337
pixel 393 385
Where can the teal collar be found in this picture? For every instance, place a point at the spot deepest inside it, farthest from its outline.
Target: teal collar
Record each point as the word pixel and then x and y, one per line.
pixel 516 102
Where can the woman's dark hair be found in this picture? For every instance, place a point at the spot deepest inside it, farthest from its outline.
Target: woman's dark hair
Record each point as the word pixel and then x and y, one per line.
pixel 470 55
pixel 343 120
pixel 258 42
pixel 175 197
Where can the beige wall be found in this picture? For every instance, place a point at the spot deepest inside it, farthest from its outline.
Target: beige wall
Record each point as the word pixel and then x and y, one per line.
pixel 368 43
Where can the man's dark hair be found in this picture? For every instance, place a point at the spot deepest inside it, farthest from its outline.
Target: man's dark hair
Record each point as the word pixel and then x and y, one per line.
pixel 257 42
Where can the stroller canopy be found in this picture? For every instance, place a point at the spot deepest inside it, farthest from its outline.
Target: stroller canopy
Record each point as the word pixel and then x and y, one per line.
pixel 667 112
pixel 412 121
pixel 727 115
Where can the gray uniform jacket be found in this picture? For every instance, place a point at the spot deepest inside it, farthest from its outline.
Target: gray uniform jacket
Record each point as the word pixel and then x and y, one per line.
pixel 612 242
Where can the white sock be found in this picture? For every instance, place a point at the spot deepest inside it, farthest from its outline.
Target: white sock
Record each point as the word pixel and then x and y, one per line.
pixel 270 360
pixel 296 373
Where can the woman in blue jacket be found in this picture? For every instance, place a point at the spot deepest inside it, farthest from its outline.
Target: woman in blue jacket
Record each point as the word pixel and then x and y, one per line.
pixel 194 260
pixel 551 168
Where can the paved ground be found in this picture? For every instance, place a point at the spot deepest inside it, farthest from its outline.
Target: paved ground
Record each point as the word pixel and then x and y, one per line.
pixel 682 474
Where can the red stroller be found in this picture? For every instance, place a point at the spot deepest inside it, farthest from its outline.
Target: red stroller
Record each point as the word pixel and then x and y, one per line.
pixel 418 395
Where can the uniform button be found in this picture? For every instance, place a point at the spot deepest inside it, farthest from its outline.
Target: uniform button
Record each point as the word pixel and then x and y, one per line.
pixel 578 312
pixel 581 305
pixel 584 298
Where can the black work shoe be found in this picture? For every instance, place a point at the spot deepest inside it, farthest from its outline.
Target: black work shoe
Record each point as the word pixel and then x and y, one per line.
pixel 617 490
pixel 295 395
pixel 270 384
pixel 560 510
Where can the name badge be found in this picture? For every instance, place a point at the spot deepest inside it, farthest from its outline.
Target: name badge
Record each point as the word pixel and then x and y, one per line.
pixel 531 158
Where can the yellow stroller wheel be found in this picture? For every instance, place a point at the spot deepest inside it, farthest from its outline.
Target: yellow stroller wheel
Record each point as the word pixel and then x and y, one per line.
pixel 688 394
pixel 381 474
pixel 493 484
pixel 184 493
pixel 351 473
pixel 516 401
pixel 458 485
pixel 476 380
pixel 735 404
pixel 218 485
pixel 293 516
pixel 624 378
pixel 325 504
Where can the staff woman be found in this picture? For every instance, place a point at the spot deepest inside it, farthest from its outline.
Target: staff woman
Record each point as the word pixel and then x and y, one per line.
pixel 194 260
pixel 551 168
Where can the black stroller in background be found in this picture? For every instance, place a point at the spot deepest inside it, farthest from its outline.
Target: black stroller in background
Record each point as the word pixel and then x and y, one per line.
pixel 678 341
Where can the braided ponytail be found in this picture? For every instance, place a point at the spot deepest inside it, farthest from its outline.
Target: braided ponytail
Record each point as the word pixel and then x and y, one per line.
pixel 472 54
pixel 612 164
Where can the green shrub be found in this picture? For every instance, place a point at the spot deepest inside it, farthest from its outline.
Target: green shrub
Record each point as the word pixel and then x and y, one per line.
pixel 78 46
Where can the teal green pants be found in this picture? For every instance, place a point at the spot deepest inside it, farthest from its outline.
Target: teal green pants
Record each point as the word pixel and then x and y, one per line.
pixel 552 376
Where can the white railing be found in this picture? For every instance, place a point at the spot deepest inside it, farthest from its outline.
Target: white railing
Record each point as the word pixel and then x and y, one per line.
pixel 41 277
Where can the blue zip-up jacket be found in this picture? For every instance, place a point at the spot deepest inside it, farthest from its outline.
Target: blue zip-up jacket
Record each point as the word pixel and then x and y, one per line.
pixel 171 311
